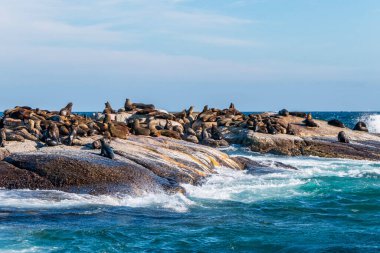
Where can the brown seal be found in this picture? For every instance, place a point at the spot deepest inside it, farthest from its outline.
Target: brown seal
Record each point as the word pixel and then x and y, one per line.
pixel 66 111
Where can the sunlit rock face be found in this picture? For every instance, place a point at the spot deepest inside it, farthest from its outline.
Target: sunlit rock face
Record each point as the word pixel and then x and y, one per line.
pixel 142 164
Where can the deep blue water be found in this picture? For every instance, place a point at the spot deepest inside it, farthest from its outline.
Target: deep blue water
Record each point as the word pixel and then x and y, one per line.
pixel 328 205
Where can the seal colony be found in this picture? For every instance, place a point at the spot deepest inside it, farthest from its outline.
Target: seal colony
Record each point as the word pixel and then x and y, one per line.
pixel 141 148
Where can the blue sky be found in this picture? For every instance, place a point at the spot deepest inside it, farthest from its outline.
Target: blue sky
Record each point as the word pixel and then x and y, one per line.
pixel 260 54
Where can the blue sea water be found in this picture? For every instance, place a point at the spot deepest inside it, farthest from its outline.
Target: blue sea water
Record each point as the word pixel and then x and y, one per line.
pixel 328 205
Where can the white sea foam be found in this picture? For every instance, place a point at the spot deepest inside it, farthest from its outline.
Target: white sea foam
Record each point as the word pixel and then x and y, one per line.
pixel 58 199
pixel 373 122
pixel 243 187
pixel 239 186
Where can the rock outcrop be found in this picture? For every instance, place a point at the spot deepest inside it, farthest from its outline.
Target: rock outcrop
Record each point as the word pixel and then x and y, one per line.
pixel 142 164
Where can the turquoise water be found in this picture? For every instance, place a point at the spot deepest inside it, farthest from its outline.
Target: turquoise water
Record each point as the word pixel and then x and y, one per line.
pixel 328 205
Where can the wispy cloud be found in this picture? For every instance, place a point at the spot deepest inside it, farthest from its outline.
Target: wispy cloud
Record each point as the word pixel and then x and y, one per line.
pixel 112 22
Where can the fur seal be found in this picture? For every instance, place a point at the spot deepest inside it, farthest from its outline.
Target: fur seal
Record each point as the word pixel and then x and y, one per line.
pixel 342 137
pixel 153 128
pixel 128 106
pixel 73 134
pixel 190 111
pixel 144 106
pixel 106 150
pixel 309 122
pixel 52 135
pixel 215 133
pixel 189 130
pixel 66 111
pixel 261 128
pixel 107 136
pixel 283 113
pixel 361 126
pixel 170 134
pixel 232 107
pixel 96 144
pixel 108 108
pixel 168 125
pixel 336 123
pixel 181 115
pixel 107 118
pixel 271 129
pixel 298 114
pixel 205 134
pixel 138 130
pixel 205 109
pixel 3 137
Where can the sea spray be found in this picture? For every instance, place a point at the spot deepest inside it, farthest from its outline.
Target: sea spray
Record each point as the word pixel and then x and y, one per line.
pixel 373 122
pixel 327 205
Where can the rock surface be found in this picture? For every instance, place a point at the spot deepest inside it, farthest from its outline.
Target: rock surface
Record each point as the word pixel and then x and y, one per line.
pixel 321 141
pixel 142 164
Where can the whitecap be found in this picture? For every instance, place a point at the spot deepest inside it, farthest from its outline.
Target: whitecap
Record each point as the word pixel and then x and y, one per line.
pixel 372 121
pixel 57 199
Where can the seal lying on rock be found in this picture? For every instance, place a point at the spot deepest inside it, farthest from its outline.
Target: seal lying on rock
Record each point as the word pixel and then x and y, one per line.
pixel 283 112
pixel 361 126
pixel 342 137
pixel 138 130
pixel 309 122
pixel 298 114
pixel 337 123
pixel 106 150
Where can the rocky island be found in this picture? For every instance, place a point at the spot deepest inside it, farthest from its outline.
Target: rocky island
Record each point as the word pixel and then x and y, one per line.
pixel 139 148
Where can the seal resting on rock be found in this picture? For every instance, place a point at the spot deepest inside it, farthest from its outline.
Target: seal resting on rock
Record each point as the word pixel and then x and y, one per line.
pixel 309 122
pixel 361 126
pixel 283 112
pixel 138 130
pixel 96 144
pixel 52 135
pixel 342 137
pixel 215 133
pixel 66 111
pixel 128 106
pixel 337 123
pixel 73 135
pixel 106 150
pixel 107 118
pixel 108 108
pixel 298 114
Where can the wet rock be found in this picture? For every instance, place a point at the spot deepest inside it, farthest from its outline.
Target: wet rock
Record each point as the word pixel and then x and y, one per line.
pixel 12 177
pixel 88 173
pixel 260 167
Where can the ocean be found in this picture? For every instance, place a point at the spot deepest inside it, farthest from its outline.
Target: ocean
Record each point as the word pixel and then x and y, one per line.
pixel 328 205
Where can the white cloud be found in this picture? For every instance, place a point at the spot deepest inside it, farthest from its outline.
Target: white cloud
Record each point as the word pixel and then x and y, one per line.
pixel 111 22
